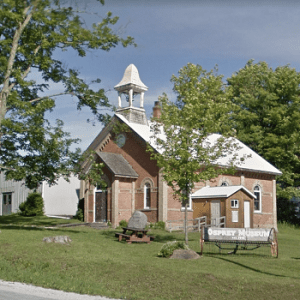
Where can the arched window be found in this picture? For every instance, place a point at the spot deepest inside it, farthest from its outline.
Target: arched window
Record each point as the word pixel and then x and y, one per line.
pixel 257 201
pixel 224 183
pixel 147 195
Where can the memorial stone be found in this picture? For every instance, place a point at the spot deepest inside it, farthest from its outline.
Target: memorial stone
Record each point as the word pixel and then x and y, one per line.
pixel 138 220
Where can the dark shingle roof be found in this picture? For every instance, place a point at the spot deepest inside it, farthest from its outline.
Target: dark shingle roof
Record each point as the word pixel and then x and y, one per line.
pixel 117 164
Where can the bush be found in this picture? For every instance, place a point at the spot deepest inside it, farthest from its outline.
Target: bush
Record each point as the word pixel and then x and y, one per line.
pixel 168 248
pixel 80 210
pixel 157 225
pixel 123 223
pixel 33 206
pixel 160 225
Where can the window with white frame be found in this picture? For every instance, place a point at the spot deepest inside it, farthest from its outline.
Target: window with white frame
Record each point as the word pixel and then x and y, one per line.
pixel 189 206
pixel 234 203
pixel 224 183
pixel 147 195
pixel 257 201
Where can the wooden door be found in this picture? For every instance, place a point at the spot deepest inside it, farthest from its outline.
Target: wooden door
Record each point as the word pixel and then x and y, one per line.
pixel 215 210
pixel 101 206
pixel 247 214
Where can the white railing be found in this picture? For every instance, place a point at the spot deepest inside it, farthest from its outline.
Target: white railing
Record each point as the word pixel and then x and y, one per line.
pixel 218 222
pixel 194 224
pixel 202 221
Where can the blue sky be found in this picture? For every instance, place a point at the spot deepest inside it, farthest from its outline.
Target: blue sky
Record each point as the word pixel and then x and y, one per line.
pixel 170 34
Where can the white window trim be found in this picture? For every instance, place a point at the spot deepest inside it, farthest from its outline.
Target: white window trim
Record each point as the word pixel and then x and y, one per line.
pixel 145 195
pixel 260 199
pixel 189 208
pixel 237 203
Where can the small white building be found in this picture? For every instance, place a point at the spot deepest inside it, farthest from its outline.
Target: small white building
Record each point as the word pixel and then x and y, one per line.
pixel 60 199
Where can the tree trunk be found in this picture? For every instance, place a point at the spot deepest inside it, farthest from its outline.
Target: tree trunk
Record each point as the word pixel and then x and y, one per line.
pixel 86 202
pixel 2 111
pixel 186 223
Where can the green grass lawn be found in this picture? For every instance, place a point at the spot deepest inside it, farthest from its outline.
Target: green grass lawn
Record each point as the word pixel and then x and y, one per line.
pixel 18 220
pixel 96 263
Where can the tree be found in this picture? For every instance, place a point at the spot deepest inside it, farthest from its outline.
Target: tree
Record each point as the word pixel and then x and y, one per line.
pixel 32 33
pixel 188 151
pixel 91 172
pixel 266 116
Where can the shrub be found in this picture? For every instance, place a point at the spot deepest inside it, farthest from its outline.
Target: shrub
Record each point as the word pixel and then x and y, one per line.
pixel 168 248
pixel 80 210
pixel 160 225
pixel 157 225
pixel 33 206
pixel 123 223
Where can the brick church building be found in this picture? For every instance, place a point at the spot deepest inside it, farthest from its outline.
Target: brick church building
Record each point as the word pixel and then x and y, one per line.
pixel 246 199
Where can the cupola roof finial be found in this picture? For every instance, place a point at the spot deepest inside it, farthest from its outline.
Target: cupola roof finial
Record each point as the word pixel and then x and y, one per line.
pixel 131 80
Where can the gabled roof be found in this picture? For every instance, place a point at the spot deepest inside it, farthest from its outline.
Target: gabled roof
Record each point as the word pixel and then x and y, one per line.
pixel 252 162
pixel 220 192
pixel 117 164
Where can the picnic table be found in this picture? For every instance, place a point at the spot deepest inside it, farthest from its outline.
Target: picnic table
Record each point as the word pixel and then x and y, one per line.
pixel 134 235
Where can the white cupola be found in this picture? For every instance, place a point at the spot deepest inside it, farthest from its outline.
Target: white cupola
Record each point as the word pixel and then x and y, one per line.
pixel 130 86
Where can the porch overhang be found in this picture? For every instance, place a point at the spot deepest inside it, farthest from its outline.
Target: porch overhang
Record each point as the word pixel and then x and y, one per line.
pixel 117 164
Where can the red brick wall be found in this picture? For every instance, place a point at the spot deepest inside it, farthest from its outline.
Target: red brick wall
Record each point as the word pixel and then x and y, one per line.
pixel 265 218
pixel 124 199
pixel 265 181
pixel 109 212
pixel 134 151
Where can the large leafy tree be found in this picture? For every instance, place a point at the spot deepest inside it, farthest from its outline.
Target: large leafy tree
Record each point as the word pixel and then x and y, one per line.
pixel 267 114
pixel 32 32
pixel 188 151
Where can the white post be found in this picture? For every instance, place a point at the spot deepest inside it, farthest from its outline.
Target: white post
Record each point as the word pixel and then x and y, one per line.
pixel 142 100
pixel 130 97
pixel 119 100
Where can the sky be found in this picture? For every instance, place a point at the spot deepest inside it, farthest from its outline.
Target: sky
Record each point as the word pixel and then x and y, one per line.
pixel 171 33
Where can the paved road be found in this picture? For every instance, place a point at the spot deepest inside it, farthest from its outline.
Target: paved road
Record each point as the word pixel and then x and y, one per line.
pixel 20 291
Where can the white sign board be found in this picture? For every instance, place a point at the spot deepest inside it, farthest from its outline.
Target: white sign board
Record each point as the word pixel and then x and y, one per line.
pixel 237 234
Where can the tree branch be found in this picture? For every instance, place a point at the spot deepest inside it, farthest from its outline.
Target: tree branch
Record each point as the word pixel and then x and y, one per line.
pixel 15 44
pixel 54 95
pixel 5 168
pixel 26 72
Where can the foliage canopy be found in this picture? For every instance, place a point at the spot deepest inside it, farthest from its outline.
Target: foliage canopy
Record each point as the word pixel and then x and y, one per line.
pixel 266 117
pixel 32 34
pixel 200 109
